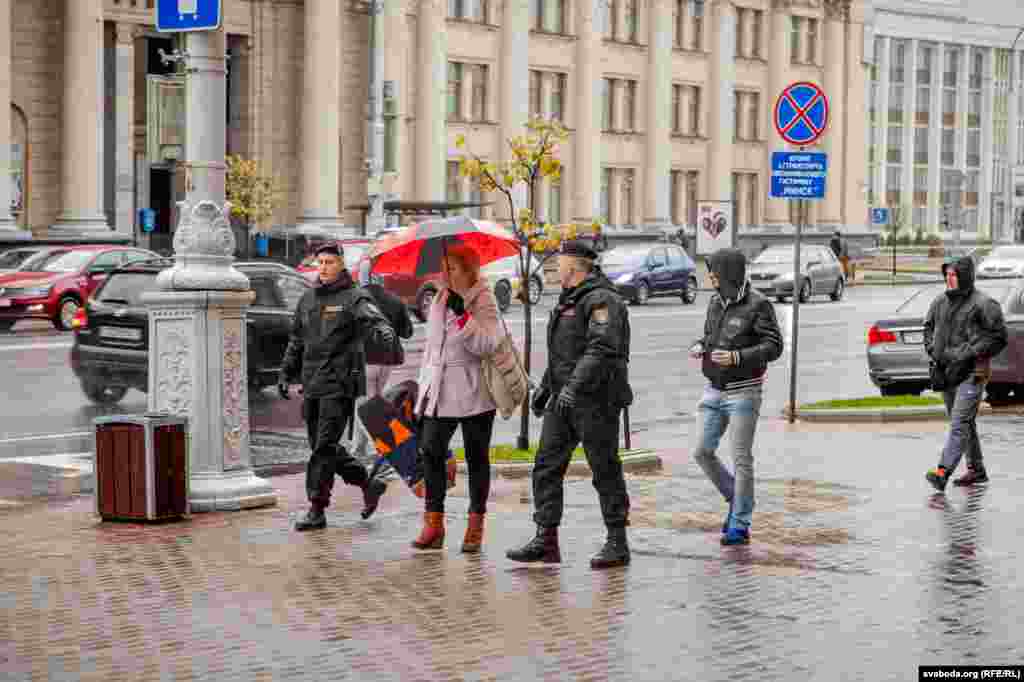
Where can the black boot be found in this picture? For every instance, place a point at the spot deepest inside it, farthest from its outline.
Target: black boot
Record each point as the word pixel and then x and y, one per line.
pixel 372 492
pixel 314 519
pixel 542 548
pixel 615 551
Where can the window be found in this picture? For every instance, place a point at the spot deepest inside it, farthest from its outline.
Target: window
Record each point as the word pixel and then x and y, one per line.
pixel 894 146
pixel 452 192
pixel 948 149
pixel 607 103
pixel 469 10
pixel 751 199
pixel 454 91
pixel 974 148
pixel 536 14
pixel 553 13
pixel 535 107
pixel 755 33
pixel 676 257
pixel 977 69
pixel 921 145
pixel 657 258
pixel 948 107
pixel 631 20
pixel 107 260
pixel 895 103
pixel 754 114
pixel 950 187
pixel 677 108
pixel 812 41
pixel 612 25
pixel 735 197
pixel 899 61
pixel 920 186
pixel 692 179
pixel 626 217
pixel 741 26
pixel 971 188
pixel 794 39
pixel 629 105
pixel 555 203
pixel 679 22
pixel 893 175
pixel 974 110
pixel 606 196
pixel 694 114
pixel 675 189
pixel 951 74
pixel 923 107
pixel 696 24
pixel 558 96
pixel 924 64
pixel 920 217
pixel 480 72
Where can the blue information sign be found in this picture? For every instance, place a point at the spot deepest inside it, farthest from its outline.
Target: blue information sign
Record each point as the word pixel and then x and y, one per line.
pixel 879 216
pixel 175 16
pixel 801 114
pixel 798 175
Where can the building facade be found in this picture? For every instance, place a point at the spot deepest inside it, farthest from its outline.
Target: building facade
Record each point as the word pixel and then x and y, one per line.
pixel 669 102
pixel 945 135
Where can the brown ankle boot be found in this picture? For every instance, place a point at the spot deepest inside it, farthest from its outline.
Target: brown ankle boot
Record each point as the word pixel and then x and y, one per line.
pixel 474 534
pixel 432 535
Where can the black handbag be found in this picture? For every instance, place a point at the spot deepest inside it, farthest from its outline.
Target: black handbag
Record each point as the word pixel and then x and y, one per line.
pixel 937 376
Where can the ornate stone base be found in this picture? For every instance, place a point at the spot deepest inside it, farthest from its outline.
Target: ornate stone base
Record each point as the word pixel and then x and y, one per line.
pixel 229 491
pixel 75 225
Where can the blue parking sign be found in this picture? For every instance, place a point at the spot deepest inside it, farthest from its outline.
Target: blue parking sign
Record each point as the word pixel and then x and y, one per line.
pixel 176 16
pixel 879 216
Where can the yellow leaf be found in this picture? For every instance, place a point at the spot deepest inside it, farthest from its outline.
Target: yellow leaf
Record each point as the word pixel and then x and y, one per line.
pixel 460 141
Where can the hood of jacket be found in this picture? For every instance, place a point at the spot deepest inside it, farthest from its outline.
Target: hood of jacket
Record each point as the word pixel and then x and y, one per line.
pixel 964 268
pixel 730 265
pixel 595 280
pixel 344 281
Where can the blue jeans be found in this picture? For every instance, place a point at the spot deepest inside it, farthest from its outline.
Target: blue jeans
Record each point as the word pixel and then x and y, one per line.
pixel 962 407
pixel 715 412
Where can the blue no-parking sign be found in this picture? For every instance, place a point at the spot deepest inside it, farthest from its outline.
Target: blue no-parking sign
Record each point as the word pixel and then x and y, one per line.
pixel 176 16
pixel 801 113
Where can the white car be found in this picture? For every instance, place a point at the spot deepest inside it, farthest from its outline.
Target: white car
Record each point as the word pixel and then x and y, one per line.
pixel 1004 261
pixel 505 277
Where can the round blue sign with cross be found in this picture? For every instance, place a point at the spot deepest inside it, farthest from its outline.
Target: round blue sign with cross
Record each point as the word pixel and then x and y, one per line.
pixel 801 113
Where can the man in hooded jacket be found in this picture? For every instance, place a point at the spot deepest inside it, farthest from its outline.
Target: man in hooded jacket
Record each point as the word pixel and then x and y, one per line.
pixel 741 336
pixel 326 349
pixel 580 399
pixel 963 331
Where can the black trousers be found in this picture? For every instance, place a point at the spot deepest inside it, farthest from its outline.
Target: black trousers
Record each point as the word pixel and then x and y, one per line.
pixel 326 419
pixel 597 427
pixel 435 436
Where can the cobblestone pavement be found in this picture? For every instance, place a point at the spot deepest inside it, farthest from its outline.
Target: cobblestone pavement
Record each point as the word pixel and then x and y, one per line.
pixel 856 572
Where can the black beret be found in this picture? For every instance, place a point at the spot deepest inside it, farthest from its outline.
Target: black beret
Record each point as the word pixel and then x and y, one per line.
pixel 578 248
pixel 332 249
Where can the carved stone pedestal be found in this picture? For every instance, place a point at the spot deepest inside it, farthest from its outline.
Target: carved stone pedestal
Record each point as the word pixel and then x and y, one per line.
pixel 197 360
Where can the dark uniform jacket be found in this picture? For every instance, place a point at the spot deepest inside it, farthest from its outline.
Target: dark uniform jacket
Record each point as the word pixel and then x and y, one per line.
pixel 964 327
pixel 739 320
pixel 332 322
pixel 588 344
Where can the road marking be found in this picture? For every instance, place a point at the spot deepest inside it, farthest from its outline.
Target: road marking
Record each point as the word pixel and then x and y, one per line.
pixel 51 436
pixel 36 346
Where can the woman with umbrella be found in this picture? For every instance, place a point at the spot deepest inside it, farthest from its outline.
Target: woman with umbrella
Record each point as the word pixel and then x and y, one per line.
pixel 462 330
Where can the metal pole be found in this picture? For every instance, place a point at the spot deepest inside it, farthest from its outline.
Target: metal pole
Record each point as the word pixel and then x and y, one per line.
pixel 375 129
pixel 797 281
pixel 625 425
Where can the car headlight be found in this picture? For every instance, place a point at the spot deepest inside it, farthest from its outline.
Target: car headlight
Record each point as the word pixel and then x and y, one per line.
pixel 786 276
pixel 624 279
pixel 31 292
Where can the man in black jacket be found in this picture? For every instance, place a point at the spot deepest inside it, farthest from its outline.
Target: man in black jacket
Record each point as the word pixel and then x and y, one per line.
pixel 741 336
pixel 963 331
pixel 332 321
pixel 581 397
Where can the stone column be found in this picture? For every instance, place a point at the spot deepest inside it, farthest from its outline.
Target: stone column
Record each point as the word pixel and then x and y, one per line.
pixel 82 121
pixel 720 91
pixel 659 99
pixel 515 80
pixel 935 143
pixel 8 228
pixel 615 216
pixel 909 113
pixel 321 141
pixel 431 144
pixel 124 126
pixel 986 179
pixel 776 212
pixel 586 181
pixel 855 162
pixel 395 64
pixel 1009 229
pixel 835 68
pixel 883 122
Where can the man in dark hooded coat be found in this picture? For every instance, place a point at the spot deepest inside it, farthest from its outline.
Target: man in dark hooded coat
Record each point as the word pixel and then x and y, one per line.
pixel 741 336
pixel 963 331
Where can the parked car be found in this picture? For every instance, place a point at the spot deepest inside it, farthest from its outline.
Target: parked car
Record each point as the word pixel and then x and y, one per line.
pixel 821 273
pixel 506 279
pixel 898 364
pixel 647 270
pixel 17 259
pixel 355 250
pixel 1004 261
pixel 55 288
pixel 110 353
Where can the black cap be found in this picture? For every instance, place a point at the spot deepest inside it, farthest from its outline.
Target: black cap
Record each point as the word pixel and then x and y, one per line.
pixel 578 248
pixel 333 249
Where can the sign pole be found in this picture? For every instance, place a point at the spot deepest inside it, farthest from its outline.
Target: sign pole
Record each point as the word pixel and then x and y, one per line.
pixel 801 206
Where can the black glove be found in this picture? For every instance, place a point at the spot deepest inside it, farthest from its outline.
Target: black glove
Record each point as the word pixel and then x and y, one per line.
pixel 456 304
pixel 540 401
pixel 282 389
pixel 386 335
pixel 565 401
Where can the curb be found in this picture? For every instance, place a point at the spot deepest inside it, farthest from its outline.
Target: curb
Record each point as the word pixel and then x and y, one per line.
pixel 892 414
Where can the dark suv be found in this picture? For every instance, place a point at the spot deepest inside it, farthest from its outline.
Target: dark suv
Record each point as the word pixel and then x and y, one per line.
pixel 111 349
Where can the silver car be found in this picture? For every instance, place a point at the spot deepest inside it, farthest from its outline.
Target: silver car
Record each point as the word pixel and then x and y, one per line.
pixel 1004 261
pixel 506 279
pixel 772 273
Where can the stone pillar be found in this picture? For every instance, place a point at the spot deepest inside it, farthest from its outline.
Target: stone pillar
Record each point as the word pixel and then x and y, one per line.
pixel 659 99
pixel 986 179
pixel 431 143
pixel 586 181
pixel 515 80
pixel 124 127
pixel 82 121
pixel 8 228
pixel 615 216
pixel 321 131
pixel 909 111
pixel 883 122
pixel 720 90
pixel 1008 232
pixel 776 212
pixel 395 64
pixel 855 156
pixel 935 143
pixel 835 69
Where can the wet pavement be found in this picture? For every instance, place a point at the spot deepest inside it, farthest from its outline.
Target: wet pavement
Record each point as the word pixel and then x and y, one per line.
pixel 856 572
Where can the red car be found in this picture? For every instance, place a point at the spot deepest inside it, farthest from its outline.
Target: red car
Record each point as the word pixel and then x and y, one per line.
pixel 355 250
pixel 55 288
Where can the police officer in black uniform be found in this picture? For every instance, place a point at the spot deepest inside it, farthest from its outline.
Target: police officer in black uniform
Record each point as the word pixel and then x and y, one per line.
pixel 332 322
pixel 581 397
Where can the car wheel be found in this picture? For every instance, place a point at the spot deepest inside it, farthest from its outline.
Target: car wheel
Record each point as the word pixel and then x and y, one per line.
pixel 423 302
pixel 66 309
pixel 101 393
pixel 805 291
pixel 780 299
pixel 536 289
pixel 998 395
pixel 690 292
pixel 643 294
pixel 837 293
pixel 901 389
pixel 503 294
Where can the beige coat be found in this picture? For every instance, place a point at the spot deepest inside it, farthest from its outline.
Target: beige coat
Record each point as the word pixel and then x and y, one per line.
pixel 451 382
